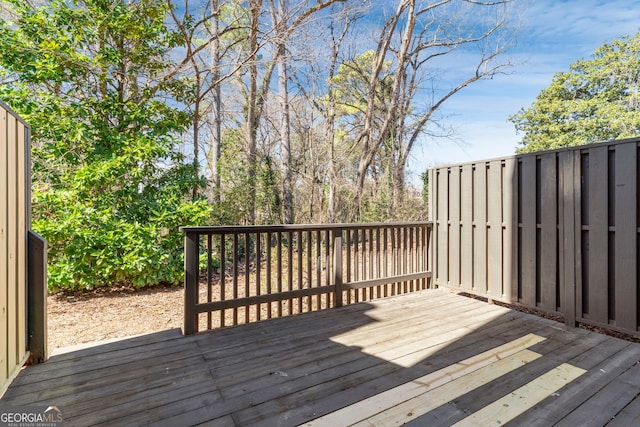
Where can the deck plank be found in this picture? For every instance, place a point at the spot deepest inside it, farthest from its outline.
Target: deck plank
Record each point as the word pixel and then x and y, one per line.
pixel 520 400
pixel 610 400
pixel 556 349
pixel 604 363
pixel 290 371
pixel 395 396
pixel 419 405
pixel 629 416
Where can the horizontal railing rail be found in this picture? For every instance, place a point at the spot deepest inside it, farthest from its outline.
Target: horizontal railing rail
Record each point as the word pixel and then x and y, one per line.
pixel 236 275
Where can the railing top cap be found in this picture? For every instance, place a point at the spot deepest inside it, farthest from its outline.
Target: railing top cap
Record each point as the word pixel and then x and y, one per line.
pixel 297 227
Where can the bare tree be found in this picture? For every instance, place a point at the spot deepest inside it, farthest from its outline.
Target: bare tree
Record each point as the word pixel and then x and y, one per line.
pixel 424 36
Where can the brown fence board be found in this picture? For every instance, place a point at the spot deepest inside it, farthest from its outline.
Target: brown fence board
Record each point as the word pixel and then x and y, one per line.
pixel 21 258
pixel 494 237
pixel 567 236
pixel 454 227
pixel 4 258
pixel 598 235
pixel 581 182
pixel 12 233
pixel 509 236
pixel 480 229
pixel 626 236
pixel 466 237
pixel 529 230
pixel 442 200
pixel 549 232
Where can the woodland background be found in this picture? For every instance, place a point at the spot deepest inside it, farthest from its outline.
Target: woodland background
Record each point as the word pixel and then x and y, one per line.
pixel 147 115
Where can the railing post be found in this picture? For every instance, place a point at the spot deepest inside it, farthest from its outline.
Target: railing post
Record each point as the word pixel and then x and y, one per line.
pixel 191 273
pixel 337 266
pixel 431 251
pixel 37 298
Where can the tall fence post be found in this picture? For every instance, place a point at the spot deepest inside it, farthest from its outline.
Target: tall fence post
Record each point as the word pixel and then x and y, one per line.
pixel 37 299
pixel 191 275
pixel 337 266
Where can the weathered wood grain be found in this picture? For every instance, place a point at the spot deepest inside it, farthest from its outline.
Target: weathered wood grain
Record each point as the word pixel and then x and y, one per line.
pixel 466 220
pixel 598 235
pixel 549 231
pixel 626 236
pixel 454 226
pixel 479 229
pixel 529 230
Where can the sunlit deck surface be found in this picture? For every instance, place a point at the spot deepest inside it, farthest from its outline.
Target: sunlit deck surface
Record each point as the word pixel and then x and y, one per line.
pixel 429 358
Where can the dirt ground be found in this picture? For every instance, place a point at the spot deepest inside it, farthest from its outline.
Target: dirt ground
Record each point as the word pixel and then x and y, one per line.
pixel 104 314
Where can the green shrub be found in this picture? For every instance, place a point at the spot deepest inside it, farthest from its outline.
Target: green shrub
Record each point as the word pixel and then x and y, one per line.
pixel 89 248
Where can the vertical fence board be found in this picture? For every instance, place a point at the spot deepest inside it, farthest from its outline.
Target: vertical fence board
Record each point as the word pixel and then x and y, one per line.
pixel 12 233
pixel 626 236
pixel 454 227
pixel 480 229
pixel 509 233
pixel 577 231
pixel 549 238
pixel 598 234
pixel 432 215
pixel 466 236
pixel 442 225
pixel 567 236
pixel 494 238
pixel 581 182
pixel 529 229
pixel 21 300
pixel 4 265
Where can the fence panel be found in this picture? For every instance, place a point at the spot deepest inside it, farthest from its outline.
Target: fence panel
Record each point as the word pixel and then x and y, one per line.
pixel 14 225
pixel 556 231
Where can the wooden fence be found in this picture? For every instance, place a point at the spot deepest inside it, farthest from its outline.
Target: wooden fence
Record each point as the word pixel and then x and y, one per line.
pixel 14 225
pixel 245 274
pixel 556 231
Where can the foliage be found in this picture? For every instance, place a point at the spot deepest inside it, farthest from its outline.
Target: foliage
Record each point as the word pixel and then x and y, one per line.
pixel 350 85
pixel 425 186
pixel 110 186
pixel 596 100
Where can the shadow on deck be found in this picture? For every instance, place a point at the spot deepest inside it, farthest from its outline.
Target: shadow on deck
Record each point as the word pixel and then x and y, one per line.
pixel 429 358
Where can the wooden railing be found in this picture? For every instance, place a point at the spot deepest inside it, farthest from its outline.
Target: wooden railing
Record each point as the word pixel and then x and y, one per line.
pixel 236 275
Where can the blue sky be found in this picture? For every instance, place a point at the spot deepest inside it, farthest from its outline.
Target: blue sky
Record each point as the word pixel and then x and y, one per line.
pixel 552 35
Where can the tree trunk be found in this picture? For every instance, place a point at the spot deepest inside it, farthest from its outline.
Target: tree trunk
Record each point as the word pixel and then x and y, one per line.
pixel 285 144
pixel 280 24
pixel 398 180
pixel 371 143
pixel 252 107
pixel 196 147
pixel 216 106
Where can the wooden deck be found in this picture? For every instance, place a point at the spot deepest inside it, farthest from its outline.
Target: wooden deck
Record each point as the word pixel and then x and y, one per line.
pixel 430 358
